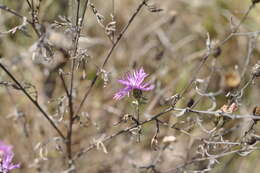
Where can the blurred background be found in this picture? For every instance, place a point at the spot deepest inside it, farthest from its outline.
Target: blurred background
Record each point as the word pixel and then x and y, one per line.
pixel 168 44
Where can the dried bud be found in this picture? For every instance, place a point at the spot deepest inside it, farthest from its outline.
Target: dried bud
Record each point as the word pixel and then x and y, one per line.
pixel 224 108
pixel 256 111
pixel 190 103
pixel 173 16
pixel 256 70
pixel 233 107
pixel 175 99
pixel 255 1
pixel 229 108
pixel 217 52
pixel 232 80
pixel 249 139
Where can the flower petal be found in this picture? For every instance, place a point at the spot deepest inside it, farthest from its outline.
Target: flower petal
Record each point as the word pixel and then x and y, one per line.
pixel 122 93
pixel 140 76
pixel 14 166
pixel 124 82
pixel 147 87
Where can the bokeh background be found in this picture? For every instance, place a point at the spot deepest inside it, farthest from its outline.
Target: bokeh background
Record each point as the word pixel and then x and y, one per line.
pixel 168 44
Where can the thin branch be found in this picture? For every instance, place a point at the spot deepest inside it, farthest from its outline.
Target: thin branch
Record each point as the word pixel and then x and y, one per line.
pixel 5 8
pixel 64 85
pixel 219 113
pixel 210 158
pixel 238 26
pixel 29 4
pixel 33 101
pixel 70 94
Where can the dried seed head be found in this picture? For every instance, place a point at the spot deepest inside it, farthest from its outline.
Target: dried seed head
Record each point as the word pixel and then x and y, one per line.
pixel 256 70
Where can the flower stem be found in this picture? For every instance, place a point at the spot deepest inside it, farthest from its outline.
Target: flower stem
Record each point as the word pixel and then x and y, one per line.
pixel 138 118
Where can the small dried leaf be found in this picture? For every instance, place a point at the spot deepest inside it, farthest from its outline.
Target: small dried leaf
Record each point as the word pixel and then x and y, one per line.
pixel 100 144
pixel 43 153
pixel 208 42
pixel 169 139
pixel 100 18
pixel 31 89
pixel 105 76
pixel 154 142
pixel 153 8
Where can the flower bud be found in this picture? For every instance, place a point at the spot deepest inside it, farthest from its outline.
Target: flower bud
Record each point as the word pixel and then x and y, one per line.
pixel 137 93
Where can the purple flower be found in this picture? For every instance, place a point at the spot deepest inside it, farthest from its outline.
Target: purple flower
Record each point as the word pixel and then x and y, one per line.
pixel 6 157
pixel 133 81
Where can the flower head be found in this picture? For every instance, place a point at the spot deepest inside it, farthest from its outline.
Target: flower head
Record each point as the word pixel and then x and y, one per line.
pixel 133 82
pixel 6 157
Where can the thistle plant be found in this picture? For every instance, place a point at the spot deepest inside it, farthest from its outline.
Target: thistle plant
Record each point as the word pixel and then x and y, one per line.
pixel 56 54
pixel 6 157
pixel 133 82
